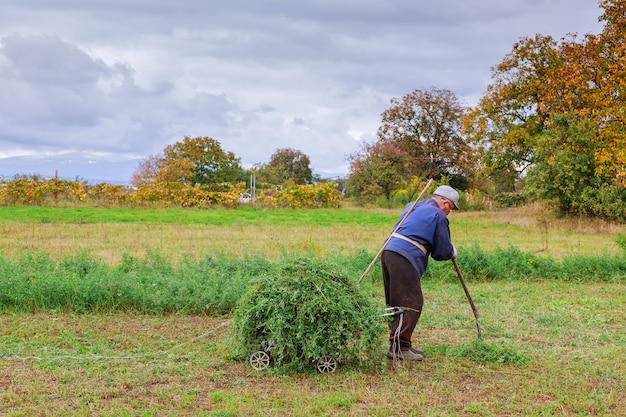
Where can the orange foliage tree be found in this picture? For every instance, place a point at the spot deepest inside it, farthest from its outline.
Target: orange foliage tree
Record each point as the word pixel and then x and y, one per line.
pixel 538 84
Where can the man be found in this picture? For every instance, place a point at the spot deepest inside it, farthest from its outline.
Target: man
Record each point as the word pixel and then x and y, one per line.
pixel 425 232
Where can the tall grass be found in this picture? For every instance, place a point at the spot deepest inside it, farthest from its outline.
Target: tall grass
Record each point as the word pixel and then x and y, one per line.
pixel 151 285
pixel 213 284
pixel 511 264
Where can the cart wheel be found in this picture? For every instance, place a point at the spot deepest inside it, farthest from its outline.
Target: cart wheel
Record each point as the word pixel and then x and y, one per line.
pixel 260 360
pixel 326 364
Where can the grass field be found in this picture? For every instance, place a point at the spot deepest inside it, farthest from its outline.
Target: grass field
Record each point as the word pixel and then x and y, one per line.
pixel 549 348
pixel 109 233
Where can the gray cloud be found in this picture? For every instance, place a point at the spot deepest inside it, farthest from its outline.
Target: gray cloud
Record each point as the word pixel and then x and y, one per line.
pixel 130 77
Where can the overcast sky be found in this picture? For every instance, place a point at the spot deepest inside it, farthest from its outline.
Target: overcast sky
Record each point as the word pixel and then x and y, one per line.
pixel 129 77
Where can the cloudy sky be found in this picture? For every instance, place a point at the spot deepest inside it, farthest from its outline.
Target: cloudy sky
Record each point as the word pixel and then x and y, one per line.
pixel 125 78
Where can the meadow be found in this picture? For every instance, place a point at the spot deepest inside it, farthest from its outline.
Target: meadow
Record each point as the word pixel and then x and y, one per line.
pixel 110 233
pixel 128 312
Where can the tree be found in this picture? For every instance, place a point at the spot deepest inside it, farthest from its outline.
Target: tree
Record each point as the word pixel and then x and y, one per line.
pixel 157 169
pixel 147 171
pixel 505 124
pixel 542 79
pixel 192 161
pixel 286 166
pixel 426 125
pixel 557 110
pixel 565 162
pixel 611 156
pixel 377 169
pixel 209 163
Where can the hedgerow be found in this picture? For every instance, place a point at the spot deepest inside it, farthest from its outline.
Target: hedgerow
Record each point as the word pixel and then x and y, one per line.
pixel 34 190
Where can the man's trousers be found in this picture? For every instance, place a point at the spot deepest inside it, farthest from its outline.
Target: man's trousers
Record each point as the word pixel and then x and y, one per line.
pixel 402 289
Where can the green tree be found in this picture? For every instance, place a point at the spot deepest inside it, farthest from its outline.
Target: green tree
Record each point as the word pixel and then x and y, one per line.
pixel 564 162
pixel 287 164
pixel 427 125
pixel 377 169
pixel 208 162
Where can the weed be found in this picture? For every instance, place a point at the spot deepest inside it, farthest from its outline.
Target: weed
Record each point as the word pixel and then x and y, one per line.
pixel 488 352
pixel 621 241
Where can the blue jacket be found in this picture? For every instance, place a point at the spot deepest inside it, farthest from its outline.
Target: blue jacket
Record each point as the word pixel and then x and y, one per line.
pixel 428 225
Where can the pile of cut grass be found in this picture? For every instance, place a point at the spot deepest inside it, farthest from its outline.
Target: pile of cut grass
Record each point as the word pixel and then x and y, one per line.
pixel 305 310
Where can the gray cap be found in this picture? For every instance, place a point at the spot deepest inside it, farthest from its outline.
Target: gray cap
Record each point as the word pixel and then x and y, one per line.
pixel 448 192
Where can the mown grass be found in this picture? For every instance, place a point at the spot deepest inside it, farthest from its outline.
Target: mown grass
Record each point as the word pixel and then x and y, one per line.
pixel 549 348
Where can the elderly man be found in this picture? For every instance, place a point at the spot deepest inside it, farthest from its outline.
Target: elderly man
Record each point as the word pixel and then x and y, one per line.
pixel 425 232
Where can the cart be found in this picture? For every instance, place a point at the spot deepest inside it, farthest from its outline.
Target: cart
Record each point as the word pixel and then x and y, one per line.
pixel 260 360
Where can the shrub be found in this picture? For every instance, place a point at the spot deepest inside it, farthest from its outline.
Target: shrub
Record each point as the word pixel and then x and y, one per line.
pixel 301 196
pixel 305 310
pixel 607 202
pixel 514 199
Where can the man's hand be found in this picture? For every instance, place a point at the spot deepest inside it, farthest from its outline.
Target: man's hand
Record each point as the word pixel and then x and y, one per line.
pixel 453 252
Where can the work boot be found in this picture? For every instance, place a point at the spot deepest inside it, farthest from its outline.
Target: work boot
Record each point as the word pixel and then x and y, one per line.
pixel 417 350
pixel 404 355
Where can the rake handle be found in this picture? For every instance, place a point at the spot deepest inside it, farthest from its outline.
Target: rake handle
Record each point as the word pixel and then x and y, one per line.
pixel 469 297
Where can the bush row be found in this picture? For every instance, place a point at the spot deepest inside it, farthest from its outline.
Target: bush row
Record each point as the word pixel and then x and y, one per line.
pixel 35 190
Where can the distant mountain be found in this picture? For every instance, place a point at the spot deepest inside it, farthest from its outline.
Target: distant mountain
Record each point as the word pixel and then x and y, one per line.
pixel 85 167
pixel 71 166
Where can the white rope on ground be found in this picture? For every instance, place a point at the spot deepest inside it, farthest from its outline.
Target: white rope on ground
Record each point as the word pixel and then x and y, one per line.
pixel 96 358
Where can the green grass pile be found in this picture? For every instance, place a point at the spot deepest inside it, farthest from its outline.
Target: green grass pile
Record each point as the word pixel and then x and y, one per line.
pixel 307 309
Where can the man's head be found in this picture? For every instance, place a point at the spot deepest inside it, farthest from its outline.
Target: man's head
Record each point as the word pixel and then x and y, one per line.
pixel 446 196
